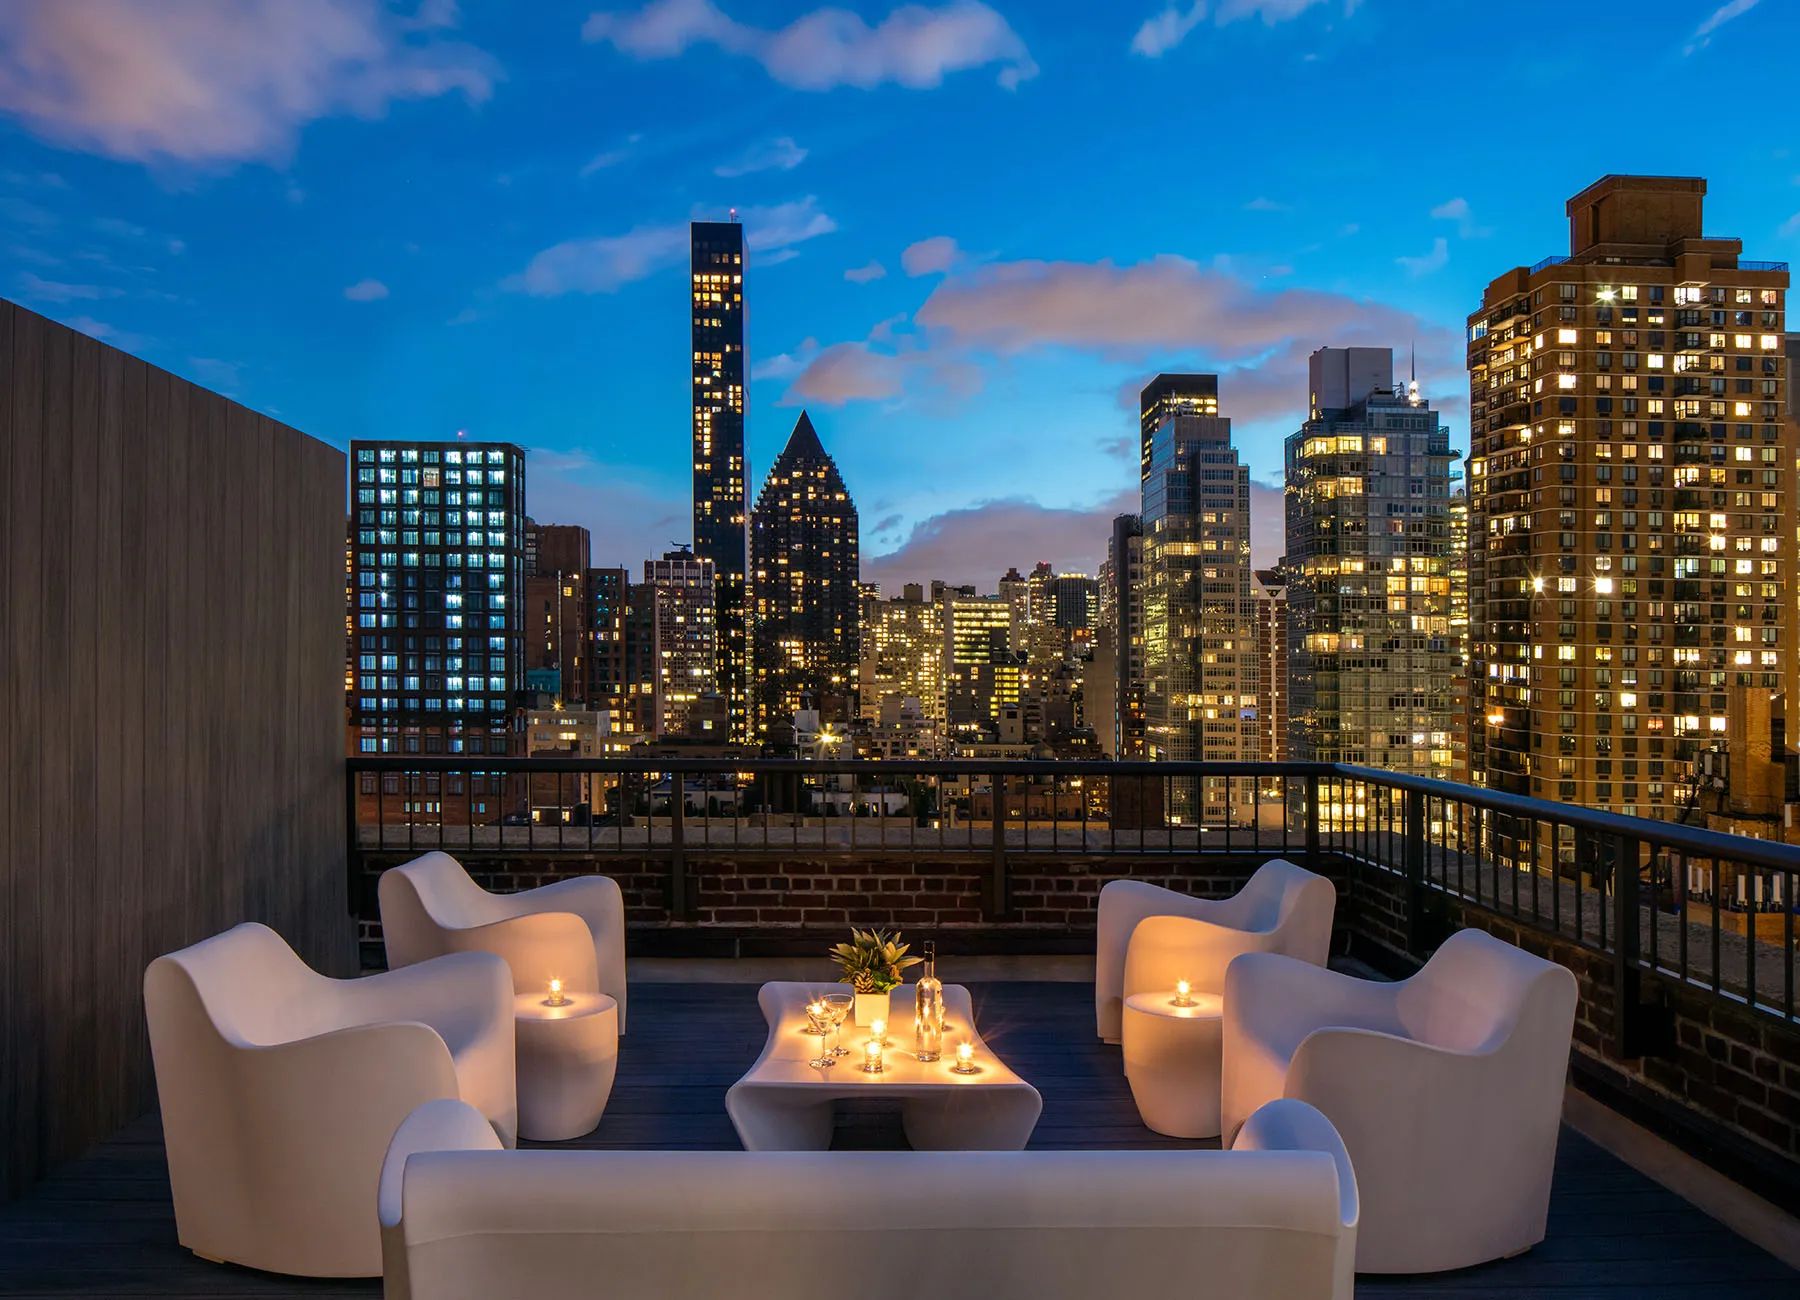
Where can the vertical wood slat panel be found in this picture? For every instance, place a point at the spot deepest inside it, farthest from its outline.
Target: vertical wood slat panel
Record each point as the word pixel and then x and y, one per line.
pixel 171 607
pixel 11 680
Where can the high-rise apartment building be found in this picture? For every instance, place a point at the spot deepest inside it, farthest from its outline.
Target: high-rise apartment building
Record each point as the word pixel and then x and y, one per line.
pixel 612 685
pixel 721 473
pixel 682 598
pixel 1017 589
pixel 1631 509
pixel 1125 558
pixel 557 609
pixel 438 588
pixel 1272 665
pixel 1200 674
pixel 1074 601
pixel 1368 567
pixel 903 655
pixel 983 675
pixel 1459 631
pixel 806 605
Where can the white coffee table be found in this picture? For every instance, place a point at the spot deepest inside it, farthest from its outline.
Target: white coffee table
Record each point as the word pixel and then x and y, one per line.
pixel 567 1057
pixel 1172 1058
pixel 783 1104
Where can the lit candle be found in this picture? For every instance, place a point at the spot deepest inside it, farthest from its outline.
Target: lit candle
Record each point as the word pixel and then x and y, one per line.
pixel 872 1056
pixel 815 1018
pixel 556 998
pixel 1183 994
pixel 965 1059
pixel 878 1030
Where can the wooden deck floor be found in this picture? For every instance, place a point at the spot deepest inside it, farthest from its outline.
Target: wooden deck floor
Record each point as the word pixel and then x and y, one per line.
pixel 103 1226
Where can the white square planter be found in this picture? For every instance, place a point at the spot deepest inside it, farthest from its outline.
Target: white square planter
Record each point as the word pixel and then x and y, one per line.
pixel 870 1007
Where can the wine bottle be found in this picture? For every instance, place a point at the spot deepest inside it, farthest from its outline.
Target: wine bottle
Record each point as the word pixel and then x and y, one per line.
pixel 928 1008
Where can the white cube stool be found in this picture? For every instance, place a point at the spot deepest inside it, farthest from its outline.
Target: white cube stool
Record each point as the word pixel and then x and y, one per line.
pixel 567 1057
pixel 1172 1057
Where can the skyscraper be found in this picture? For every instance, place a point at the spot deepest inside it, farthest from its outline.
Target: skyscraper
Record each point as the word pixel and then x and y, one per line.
pixel 1273 666
pixel 903 654
pixel 684 649
pixel 1368 567
pixel 805 595
pixel 438 588
pixel 721 475
pixel 983 674
pixel 1200 677
pixel 1125 556
pixel 1631 512
pixel 557 635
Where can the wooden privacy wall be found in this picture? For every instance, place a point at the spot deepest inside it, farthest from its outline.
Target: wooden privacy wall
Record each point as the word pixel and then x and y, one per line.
pixel 171 712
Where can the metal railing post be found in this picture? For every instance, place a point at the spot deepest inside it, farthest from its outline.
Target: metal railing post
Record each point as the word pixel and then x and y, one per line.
pixel 1415 869
pixel 997 886
pixel 1627 978
pixel 352 847
pixel 681 903
pixel 1312 822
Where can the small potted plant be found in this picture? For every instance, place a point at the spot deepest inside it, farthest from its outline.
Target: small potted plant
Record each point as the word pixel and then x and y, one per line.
pixel 872 963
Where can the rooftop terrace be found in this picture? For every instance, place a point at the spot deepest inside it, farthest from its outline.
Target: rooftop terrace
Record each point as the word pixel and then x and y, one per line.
pixel 103 1225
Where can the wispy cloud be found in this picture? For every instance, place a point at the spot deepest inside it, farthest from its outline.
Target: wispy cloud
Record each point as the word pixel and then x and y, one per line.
pixel 779 154
pixel 1260 204
pixel 1791 227
pixel 366 291
pixel 1458 210
pixel 915 46
pixel 864 274
pixel 1725 13
pixel 1166 30
pixel 608 262
pixel 149 81
pixel 1436 260
pixel 41 290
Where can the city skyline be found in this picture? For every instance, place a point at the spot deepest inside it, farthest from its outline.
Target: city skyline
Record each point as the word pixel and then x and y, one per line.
pixel 473 265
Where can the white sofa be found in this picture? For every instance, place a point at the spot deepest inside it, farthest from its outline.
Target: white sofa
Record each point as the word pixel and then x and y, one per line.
pixel 1274 1218
pixel 1447 1089
pixel 281 1088
pixel 1281 908
pixel 573 930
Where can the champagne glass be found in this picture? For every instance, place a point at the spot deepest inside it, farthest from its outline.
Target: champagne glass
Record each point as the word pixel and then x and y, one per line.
pixel 837 1009
pixel 827 1027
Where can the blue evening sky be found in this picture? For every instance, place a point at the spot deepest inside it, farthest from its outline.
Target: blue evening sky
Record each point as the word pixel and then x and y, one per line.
pixel 978 227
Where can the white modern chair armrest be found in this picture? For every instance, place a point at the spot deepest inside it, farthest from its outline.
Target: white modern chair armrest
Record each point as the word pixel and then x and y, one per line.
pixel 442 1125
pixel 320 1084
pixel 1287 1124
pixel 446 1124
pixel 440 986
pixel 537 947
pixel 1264 988
pixel 1397 1084
pixel 1163 949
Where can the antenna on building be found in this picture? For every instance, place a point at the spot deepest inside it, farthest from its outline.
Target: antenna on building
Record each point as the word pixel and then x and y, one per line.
pixel 733 216
pixel 1412 384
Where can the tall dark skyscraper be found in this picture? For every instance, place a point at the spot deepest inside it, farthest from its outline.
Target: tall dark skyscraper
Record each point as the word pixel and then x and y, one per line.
pixel 716 267
pixel 806 605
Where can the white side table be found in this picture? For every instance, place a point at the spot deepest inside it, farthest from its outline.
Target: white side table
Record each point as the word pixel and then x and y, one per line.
pixel 1172 1059
pixel 567 1057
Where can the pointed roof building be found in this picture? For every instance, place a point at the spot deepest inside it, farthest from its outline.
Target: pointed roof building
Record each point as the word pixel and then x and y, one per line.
pixel 805 564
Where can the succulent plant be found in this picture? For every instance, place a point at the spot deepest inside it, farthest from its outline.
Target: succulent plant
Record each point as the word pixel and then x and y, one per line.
pixel 872 961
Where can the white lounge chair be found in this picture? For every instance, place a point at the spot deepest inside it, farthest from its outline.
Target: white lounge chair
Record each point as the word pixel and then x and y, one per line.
pixel 281 1089
pixel 1281 908
pixel 1447 1089
pixel 573 930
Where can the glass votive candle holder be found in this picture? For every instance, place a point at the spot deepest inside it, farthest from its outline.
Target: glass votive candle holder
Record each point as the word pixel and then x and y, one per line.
pixel 816 1019
pixel 872 1057
pixel 965 1060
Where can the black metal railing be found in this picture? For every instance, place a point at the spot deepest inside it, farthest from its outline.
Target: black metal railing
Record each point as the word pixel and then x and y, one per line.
pixel 1661 900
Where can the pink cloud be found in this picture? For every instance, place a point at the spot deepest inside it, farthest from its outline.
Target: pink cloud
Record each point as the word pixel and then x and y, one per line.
pixel 914 46
pixel 144 80
pixel 932 256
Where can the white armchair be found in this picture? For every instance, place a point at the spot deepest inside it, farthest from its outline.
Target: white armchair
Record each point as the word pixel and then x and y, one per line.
pixel 573 930
pixel 1281 908
pixel 1447 1089
pixel 281 1088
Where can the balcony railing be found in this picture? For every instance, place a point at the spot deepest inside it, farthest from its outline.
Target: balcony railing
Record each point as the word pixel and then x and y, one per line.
pixel 1662 901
